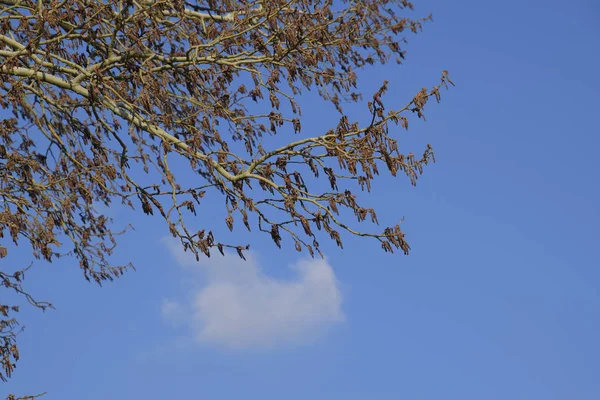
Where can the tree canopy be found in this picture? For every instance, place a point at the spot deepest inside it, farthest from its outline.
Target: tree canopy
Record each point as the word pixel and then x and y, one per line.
pixel 106 95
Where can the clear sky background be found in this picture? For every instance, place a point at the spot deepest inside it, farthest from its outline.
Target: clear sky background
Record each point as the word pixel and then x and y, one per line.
pixel 499 299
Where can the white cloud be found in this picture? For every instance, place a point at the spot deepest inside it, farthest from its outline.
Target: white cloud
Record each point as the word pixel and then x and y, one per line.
pixel 173 312
pixel 239 306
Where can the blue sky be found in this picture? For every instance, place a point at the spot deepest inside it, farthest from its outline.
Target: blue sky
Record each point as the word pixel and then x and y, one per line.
pixel 499 299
